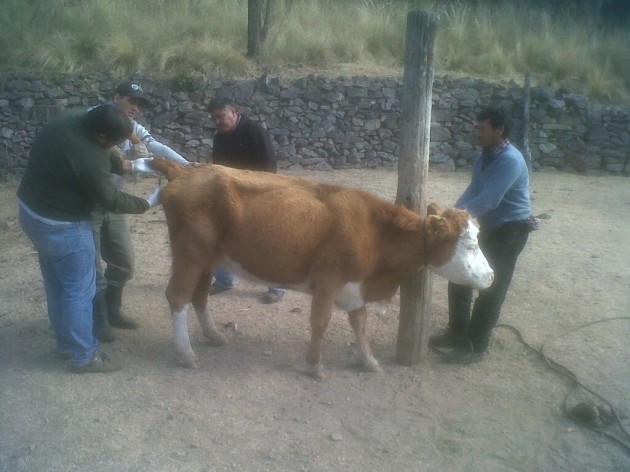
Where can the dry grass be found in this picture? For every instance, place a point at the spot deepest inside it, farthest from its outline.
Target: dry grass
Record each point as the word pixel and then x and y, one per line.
pixel 191 37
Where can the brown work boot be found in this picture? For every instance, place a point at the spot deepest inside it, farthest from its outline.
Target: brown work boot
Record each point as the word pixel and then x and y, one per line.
pixel 101 363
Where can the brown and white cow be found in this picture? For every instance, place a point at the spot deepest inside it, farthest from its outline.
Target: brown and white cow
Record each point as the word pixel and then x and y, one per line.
pixel 344 246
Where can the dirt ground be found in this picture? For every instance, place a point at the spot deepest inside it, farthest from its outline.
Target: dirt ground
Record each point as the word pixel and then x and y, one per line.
pixel 250 407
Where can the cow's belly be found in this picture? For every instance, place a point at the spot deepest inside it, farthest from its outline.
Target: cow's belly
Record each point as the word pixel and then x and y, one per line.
pixel 348 299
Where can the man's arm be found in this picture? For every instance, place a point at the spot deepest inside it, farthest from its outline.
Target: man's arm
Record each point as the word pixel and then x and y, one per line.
pixel 156 148
pixel 93 167
pixel 504 173
pixel 265 155
pixel 119 164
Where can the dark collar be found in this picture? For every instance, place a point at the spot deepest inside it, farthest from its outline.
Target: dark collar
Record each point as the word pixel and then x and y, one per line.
pixel 488 156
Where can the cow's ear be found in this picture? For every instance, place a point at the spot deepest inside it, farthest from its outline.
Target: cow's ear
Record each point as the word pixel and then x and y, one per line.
pixel 437 225
pixel 434 209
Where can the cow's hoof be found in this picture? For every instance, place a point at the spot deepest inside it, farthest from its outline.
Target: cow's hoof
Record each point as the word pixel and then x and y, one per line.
pixel 317 371
pixel 372 366
pixel 189 362
pixel 216 339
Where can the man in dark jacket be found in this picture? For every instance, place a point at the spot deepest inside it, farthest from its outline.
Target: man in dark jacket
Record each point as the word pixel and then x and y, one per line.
pixel 244 144
pixel 67 174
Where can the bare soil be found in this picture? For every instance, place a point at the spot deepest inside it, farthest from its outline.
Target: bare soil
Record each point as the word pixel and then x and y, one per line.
pixel 251 407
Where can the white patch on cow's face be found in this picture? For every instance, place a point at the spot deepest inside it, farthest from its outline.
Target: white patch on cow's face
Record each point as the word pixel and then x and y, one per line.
pixel 350 297
pixel 468 266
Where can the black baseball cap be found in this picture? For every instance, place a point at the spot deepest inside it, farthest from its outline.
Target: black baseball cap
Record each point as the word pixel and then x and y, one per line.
pixel 132 89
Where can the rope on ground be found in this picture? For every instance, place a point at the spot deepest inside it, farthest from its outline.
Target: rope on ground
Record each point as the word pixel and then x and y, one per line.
pixel 595 417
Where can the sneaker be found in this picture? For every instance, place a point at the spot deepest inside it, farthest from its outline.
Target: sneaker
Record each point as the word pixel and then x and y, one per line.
pixel 463 355
pixel 100 363
pixel 216 289
pixel 63 355
pixel 272 296
pixel 447 340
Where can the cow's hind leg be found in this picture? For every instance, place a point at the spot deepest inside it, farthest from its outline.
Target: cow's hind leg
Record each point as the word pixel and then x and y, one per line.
pixel 202 308
pixel 358 321
pixel 321 312
pixel 179 294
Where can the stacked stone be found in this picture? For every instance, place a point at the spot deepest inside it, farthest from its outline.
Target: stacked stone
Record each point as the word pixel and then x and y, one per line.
pixel 324 123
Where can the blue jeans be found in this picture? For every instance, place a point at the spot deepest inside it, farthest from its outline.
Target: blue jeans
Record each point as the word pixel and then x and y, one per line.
pixel 66 259
pixel 223 278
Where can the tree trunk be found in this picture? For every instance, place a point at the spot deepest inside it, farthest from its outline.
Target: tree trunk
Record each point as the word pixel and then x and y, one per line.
pixel 253 27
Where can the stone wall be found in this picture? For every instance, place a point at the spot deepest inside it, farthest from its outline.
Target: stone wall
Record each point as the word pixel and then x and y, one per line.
pixel 323 123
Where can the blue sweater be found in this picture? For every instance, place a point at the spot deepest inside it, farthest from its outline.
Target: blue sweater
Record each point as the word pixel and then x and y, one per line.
pixel 500 192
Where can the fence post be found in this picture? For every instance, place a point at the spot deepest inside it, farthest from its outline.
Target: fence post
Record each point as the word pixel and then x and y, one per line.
pixel 526 108
pixel 413 169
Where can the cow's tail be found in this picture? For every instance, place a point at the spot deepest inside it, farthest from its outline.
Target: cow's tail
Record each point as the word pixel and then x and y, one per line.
pixel 169 168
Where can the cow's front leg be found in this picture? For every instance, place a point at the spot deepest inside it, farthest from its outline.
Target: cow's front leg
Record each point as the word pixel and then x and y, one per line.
pixel 321 312
pixel 358 321
pixel 185 353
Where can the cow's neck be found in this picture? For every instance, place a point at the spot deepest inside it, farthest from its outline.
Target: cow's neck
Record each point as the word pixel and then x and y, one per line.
pixel 400 258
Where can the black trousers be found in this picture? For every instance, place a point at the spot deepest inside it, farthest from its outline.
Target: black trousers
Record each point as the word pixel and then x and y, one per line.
pixel 501 247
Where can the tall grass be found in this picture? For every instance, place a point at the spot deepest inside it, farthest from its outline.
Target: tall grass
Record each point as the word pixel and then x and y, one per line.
pixel 487 39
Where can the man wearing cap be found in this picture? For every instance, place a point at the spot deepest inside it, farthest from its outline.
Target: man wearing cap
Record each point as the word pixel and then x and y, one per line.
pixel 112 235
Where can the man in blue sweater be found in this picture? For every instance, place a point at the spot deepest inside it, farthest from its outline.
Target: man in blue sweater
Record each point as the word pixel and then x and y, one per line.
pixel 498 196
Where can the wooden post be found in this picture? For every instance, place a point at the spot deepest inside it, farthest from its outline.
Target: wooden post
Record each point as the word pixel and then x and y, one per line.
pixel 526 107
pixel 253 27
pixel 413 169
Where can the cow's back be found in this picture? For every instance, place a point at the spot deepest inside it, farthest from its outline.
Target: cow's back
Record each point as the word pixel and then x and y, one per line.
pixel 280 228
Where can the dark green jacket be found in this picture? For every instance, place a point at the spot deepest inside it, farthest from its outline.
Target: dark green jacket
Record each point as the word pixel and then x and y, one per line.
pixel 68 173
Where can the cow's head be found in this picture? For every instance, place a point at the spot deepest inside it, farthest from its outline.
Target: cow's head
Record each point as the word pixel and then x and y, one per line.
pixel 453 248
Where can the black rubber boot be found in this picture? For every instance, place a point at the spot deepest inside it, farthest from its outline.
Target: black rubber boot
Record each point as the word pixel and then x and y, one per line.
pixel 113 300
pixel 100 325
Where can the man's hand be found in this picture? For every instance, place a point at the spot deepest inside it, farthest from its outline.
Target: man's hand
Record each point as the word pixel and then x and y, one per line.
pixel 154 198
pixel 140 150
pixel 143 166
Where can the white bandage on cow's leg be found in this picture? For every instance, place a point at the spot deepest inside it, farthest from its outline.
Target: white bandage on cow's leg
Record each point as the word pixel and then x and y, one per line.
pixel 185 353
pixel 208 327
pixel 358 321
